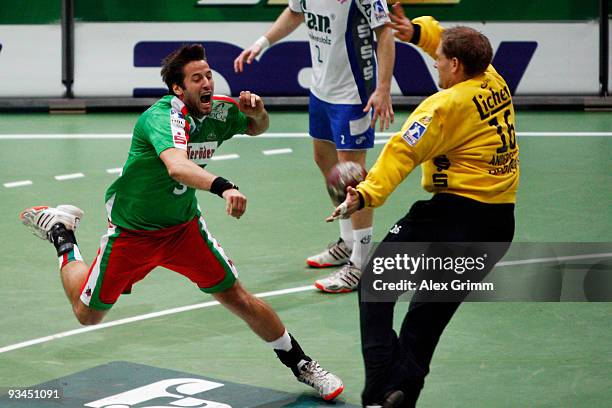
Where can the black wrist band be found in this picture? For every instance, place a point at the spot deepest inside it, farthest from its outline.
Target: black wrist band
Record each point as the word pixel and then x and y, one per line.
pixel 361 200
pixel 416 36
pixel 219 185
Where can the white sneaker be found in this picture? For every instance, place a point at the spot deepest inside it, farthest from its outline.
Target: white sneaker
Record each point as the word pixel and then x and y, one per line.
pixel 41 219
pixel 343 280
pixel 327 384
pixel 337 253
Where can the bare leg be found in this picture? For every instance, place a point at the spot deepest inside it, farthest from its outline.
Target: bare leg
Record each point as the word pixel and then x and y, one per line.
pixel 73 277
pixel 325 155
pixel 267 325
pixel 255 312
pixel 363 218
pixel 357 234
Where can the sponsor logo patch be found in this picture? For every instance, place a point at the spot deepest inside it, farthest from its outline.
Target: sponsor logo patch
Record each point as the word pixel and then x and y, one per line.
pixel 380 14
pixel 179 128
pixel 180 140
pixel 178 122
pixel 219 112
pixel 414 133
pixel 201 153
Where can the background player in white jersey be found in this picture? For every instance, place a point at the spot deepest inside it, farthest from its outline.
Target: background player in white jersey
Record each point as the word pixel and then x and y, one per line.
pixel 154 217
pixel 346 88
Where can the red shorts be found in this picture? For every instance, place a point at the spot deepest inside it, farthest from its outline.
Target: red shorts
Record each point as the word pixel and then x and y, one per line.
pixel 127 256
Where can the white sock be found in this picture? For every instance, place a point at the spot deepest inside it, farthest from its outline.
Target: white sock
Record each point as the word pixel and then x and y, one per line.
pixel 282 343
pixel 361 246
pixel 73 255
pixel 346 232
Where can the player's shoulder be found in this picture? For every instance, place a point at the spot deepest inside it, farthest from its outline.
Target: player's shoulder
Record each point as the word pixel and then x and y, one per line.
pixel 488 85
pixel 459 98
pixel 169 109
pixel 375 10
pixel 223 99
pixel 223 107
pixel 165 106
pixel 439 102
pixel 495 77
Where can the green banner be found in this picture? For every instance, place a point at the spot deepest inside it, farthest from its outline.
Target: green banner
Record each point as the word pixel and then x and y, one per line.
pixel 49 12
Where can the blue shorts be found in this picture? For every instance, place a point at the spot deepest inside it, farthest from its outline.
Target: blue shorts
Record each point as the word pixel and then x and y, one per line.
pixel 344 125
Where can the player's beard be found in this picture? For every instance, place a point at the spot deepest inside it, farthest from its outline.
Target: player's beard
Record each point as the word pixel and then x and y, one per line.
pixel 196 107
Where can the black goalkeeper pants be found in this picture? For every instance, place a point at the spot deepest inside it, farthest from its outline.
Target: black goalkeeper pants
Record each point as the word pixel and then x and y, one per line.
pixel 401 362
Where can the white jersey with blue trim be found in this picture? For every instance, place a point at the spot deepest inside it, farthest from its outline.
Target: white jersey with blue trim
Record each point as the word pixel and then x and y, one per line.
pixel 342 46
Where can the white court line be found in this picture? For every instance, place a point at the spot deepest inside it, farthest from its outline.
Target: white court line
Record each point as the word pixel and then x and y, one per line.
pixel 142 317
pixel 68 136
pixel 554 259
pixel 114 170
pixel 565 134
pixel 225 157
pixel 267 135
pixel 71 176
pixel 280 292
pixel 18 183
pixel 272 152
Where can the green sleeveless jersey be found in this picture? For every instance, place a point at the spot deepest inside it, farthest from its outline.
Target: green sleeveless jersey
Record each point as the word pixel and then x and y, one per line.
pixel 144 197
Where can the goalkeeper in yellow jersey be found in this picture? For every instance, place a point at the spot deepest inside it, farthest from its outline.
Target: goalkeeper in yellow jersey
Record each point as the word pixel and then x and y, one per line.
pixel 464 138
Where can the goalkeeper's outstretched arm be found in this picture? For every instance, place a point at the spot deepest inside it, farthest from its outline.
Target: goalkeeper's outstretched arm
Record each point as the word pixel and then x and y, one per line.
pixel 426 31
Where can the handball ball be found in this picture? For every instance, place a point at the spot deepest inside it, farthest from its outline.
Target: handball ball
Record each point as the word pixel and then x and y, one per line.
pixel 341 176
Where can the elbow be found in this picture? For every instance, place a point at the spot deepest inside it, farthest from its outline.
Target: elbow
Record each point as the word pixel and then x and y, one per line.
pixel 175 172
pixel 257 128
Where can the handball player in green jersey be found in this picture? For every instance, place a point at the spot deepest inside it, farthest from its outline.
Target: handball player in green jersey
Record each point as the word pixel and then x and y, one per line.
pixel 154 218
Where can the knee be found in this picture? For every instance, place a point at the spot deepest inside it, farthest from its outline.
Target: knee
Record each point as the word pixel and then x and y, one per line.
pixel 325 159
pixel 87 320
pixel 323 162
pixel 87 316
pixel 242 302
pixel 358 156
pixel 237 299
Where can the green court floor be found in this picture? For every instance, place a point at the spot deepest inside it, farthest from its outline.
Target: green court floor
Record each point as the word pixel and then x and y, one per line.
pixel 491 355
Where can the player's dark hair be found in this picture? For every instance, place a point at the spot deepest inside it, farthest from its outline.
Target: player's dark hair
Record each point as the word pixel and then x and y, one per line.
pixel 469 46
pixel 172 66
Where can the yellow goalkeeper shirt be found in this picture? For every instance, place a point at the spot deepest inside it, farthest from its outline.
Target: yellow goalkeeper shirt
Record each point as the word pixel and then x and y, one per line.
pixel 464 137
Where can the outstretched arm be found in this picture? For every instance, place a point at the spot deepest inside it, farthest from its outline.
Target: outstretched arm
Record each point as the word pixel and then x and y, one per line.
pixel 186 172
pixel 284 25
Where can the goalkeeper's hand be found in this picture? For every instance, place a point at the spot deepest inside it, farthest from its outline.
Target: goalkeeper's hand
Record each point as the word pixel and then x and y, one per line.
pixel 400 23
pixel 350 205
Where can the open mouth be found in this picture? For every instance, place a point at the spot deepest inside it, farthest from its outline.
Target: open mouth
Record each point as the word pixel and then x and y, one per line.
pixel 205 98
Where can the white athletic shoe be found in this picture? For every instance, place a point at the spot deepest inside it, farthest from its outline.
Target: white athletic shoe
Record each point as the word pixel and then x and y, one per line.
pixel 337 253
pixel 343 280
pixel 41 219
pixel 327 384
